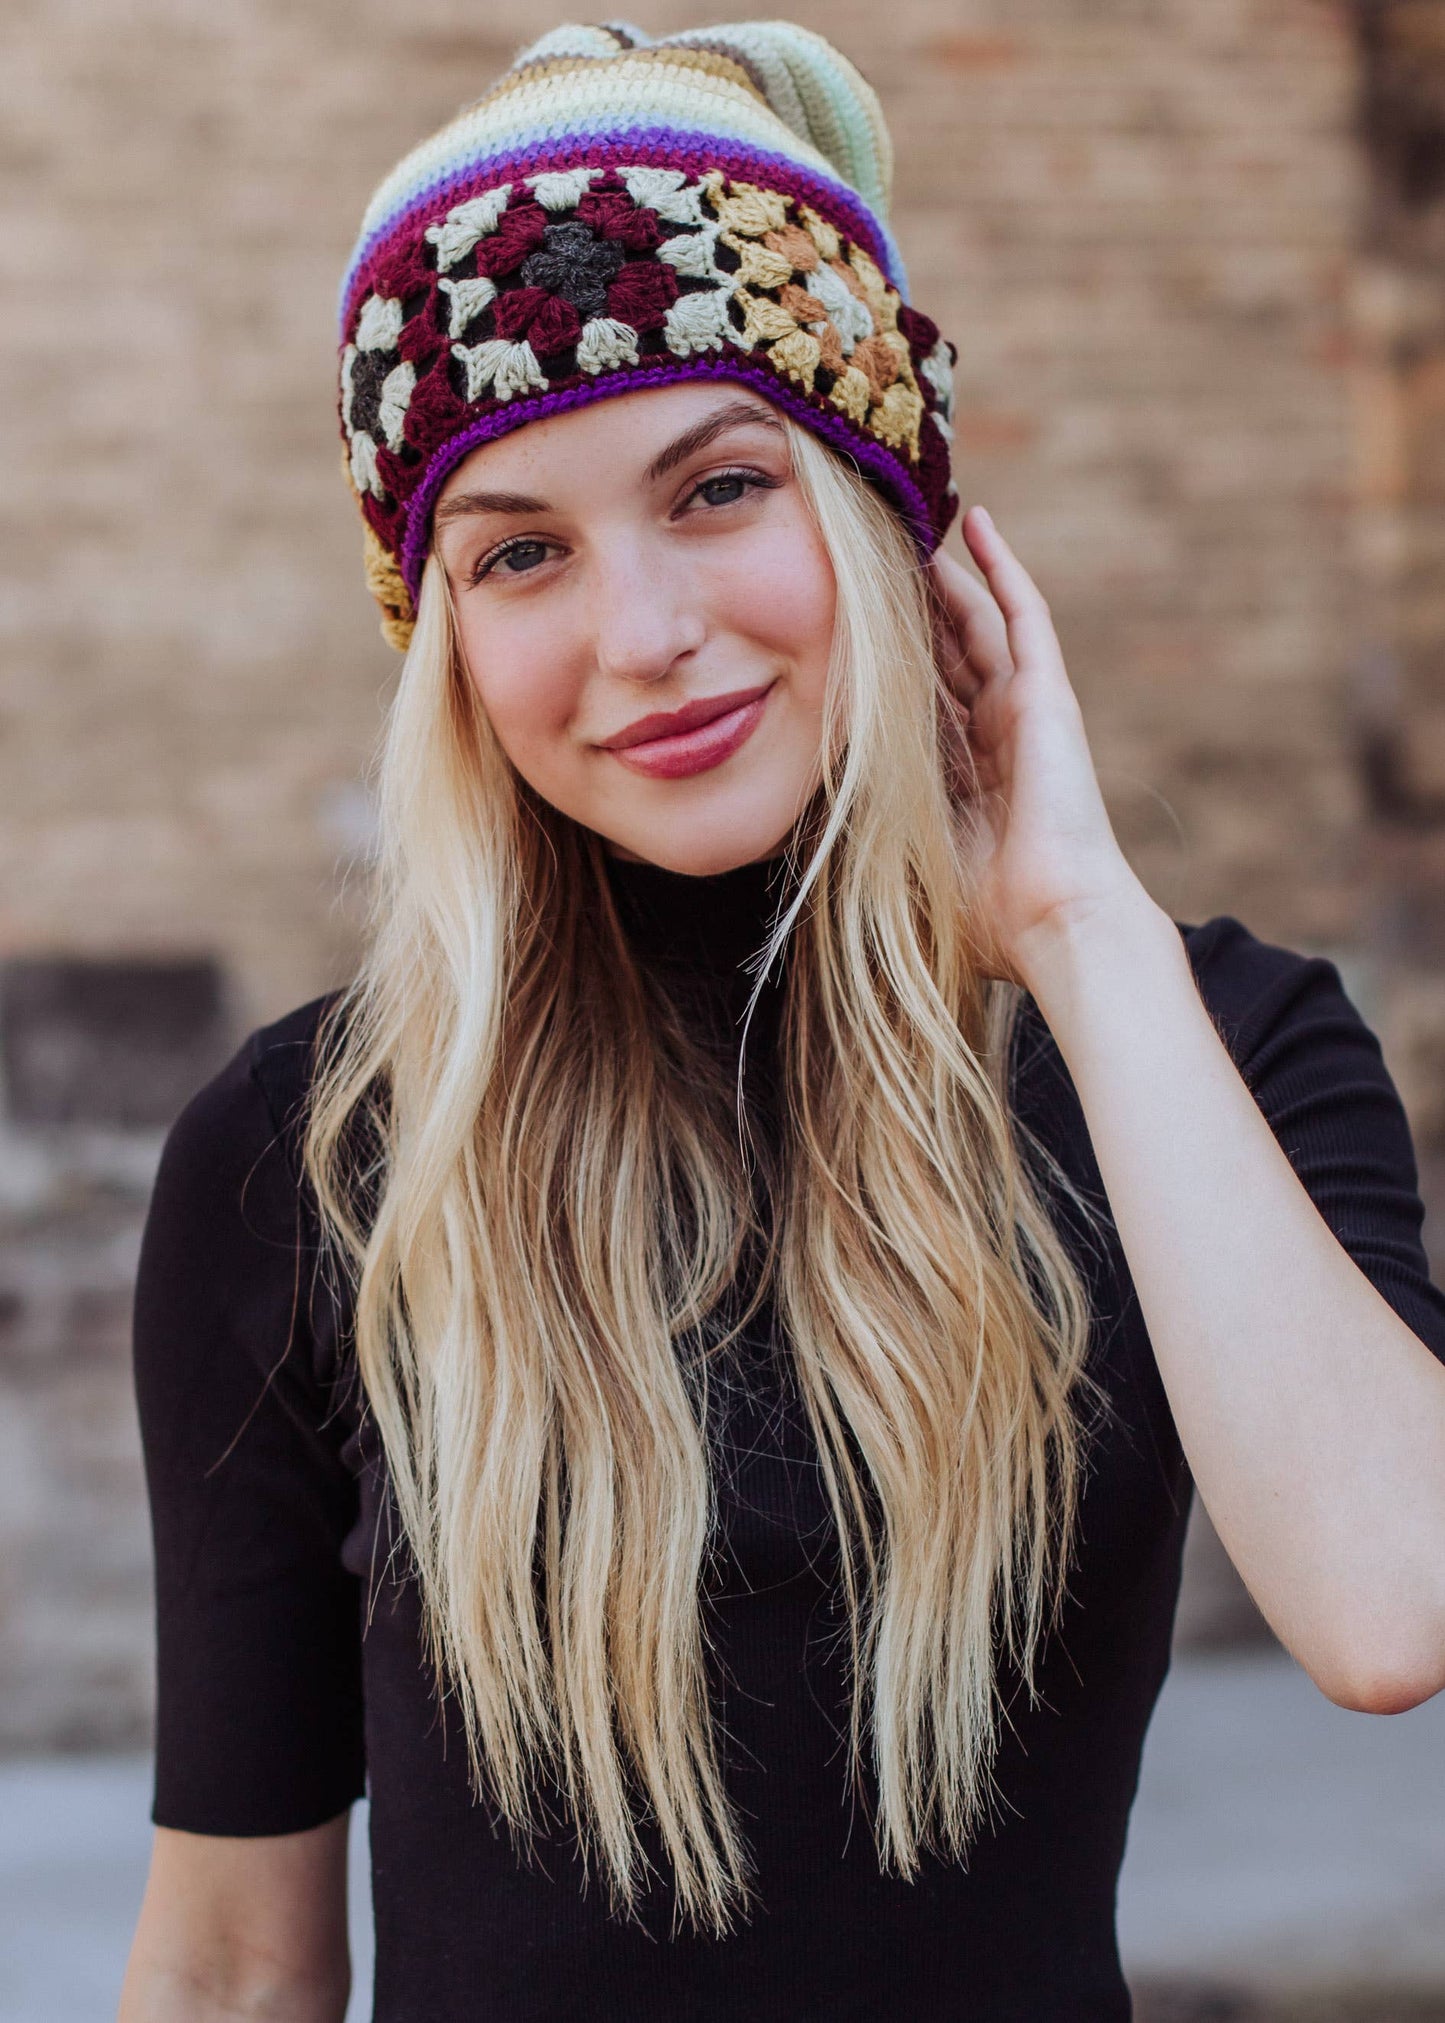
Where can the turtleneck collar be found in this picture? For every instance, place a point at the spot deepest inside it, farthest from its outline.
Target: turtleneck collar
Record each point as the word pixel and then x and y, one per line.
pixel 697 935
pixel 707 926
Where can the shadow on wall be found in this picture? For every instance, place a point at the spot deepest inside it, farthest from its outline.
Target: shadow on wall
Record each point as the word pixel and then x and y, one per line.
pixel 1397 699
pixel 115 1046
pixel 96 1058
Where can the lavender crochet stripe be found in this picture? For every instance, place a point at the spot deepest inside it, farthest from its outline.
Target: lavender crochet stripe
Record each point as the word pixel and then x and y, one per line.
pixel 875 461
pixel 656 147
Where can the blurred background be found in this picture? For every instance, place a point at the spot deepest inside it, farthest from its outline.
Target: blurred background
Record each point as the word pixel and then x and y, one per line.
pixel 1193 255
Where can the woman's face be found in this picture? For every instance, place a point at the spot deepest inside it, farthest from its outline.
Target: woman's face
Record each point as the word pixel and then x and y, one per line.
pixel 646 609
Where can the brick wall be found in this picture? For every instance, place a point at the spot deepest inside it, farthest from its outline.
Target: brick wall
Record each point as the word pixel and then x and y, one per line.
pixel 1139 218
pixel 1136 218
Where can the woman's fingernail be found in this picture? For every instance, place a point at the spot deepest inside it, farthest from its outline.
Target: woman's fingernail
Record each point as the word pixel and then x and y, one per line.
pixel 987 517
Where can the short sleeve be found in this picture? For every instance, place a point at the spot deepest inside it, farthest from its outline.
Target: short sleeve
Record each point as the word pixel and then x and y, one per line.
pixel 259 1705
pixel 1318 1073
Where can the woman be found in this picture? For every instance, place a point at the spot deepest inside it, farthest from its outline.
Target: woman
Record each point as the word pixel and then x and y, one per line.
pixel 684 1381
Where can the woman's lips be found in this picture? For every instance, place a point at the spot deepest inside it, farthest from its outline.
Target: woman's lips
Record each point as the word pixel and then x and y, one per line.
pixel 674 756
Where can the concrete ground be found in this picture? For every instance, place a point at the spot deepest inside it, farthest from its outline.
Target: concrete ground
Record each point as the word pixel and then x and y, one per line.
pixel 1286 1861
pixel 74 1844
pixel 1283 1849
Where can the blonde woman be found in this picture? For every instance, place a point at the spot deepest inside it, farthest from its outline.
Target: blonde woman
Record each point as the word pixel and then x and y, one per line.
pixel 684 1381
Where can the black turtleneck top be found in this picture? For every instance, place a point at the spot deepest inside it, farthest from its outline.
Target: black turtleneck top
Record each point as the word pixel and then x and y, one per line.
pixel 283 1696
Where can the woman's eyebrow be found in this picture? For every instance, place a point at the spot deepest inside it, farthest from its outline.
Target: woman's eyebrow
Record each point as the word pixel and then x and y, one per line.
pixel 462 503
pixel 737 414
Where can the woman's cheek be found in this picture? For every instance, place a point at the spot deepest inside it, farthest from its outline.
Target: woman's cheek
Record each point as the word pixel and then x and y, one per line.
pixel 527 696
pixel 792 591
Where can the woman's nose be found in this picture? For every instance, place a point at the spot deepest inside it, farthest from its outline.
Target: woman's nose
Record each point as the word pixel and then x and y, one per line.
pixel 645 616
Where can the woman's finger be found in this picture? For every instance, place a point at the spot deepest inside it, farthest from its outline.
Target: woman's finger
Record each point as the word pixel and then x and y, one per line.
pixel 1027 622
pixel 962 595
pixel 966 609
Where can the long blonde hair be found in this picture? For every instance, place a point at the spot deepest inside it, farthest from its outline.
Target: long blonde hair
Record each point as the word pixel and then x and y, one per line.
pixel 539 1196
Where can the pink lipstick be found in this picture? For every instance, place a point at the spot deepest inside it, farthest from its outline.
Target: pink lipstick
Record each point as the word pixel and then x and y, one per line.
pixel 670 745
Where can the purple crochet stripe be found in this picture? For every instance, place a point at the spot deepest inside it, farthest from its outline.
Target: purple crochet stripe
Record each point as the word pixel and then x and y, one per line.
pixel 644 147
pixel 877 462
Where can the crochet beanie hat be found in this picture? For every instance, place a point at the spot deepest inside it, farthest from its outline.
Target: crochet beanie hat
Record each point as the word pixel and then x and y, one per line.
pixel 616 213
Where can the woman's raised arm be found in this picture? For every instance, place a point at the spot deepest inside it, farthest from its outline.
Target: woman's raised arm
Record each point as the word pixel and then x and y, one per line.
pixel 1312 1416
pixel 232 1928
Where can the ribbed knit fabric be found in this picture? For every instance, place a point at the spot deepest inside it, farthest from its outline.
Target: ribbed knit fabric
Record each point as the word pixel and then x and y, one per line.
pixel 283 1694
pixel 617 213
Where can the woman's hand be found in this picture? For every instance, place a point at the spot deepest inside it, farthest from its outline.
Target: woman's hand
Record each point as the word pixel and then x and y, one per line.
pixel 1047 858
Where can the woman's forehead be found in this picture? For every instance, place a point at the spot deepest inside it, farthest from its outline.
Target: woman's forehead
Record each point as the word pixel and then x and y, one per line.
pixel 625 433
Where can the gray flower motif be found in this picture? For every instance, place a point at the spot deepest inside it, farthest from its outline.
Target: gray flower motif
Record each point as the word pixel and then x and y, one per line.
pixel 376 389
pixel 574 263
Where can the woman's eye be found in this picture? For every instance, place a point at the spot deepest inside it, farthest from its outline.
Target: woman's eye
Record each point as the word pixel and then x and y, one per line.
pixel 728 487
pixel 724 490
pixel 518 558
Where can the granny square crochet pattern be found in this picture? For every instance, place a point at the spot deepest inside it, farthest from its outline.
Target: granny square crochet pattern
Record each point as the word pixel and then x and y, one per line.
pixel 617 213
